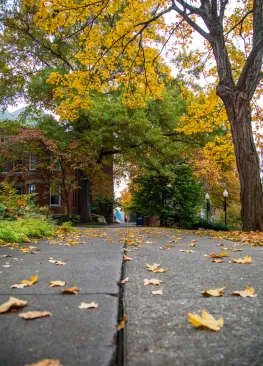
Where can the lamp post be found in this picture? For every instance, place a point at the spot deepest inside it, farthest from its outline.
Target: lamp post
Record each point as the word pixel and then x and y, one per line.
pixel 225 195
pixel 207 205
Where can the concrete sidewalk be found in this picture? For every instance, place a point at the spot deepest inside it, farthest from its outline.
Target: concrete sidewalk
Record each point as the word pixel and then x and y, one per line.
pixel 76 337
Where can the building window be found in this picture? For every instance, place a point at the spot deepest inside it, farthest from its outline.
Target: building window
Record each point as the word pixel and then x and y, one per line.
pixel 19 190
pixel 4 169
pixel 32 162
pixel 31 188
pixel 18 164
pixel 55 196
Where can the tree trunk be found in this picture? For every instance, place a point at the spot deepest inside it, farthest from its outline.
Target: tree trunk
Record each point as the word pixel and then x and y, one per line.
pixel 85 200
pixel 251 197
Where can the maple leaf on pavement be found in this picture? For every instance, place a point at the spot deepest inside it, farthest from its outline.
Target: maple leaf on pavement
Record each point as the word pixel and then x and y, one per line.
pixel 34 314
pixel 12 303
pixel 152 282
pixel 215 292
pixel 248 292
pixel 206 320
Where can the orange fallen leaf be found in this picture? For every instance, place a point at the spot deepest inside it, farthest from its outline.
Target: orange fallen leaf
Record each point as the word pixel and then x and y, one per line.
pixel 206 320
pixel 245 260
pixel 218 260
pixel 122 323
pixel 219 255
pixel 124 281
pixel 19 285
pixel 72 290
pixel 57 283
pixel 157 292
pixel 248 292
pixel 126 258
pixel 152 267
pixel 187 251
pixel 215 292
pixel 92 305
pixel 46 362
pixel 33 279
pixel 152 282
pixel 12 303
pixel 34 314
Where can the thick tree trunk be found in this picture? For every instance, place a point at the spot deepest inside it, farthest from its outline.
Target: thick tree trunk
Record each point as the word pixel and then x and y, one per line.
pixel 85 200
pixel 239 114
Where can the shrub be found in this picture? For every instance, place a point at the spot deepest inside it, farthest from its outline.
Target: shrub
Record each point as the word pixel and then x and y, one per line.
pixel 66 227
pixel 205 224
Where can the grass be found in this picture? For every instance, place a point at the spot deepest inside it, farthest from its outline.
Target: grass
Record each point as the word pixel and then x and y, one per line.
pixel 21 230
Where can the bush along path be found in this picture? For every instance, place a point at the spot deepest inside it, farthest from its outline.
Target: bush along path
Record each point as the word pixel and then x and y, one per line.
pixel 167 297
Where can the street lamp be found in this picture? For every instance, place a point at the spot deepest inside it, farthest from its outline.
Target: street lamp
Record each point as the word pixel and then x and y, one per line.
pixel 225 195
pixel 207 205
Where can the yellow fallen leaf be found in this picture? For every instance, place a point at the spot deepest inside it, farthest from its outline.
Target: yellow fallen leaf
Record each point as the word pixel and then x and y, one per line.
pixel 127 250
pixel 245 260
pixel 187 251
pixel 219 255
pixel 20 285
pixel 218 260
pixel 248 292
pixel 215 292
pixel 152 267
pixel 72 290
pixel 160 270
pixel 157 292
pixel 152 282
pixel 206 320
pixel 166 247
pixel 12 303
pixel 124 281
pixel 33 279
pixel 57 283
pixel 46 362
pixel 34 314
pixel 126 258
pixel 237 250
pixel 122 323
pixel 224 248
pixel 92 305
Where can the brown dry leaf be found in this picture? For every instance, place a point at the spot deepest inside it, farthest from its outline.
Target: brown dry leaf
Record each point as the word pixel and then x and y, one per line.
pixel 92 305
pixel 245 260
pixel 215 292
pixel 57 283
pixel 166 247
pixel 12 303
pixel 218 260
pixel 34 314
pixel 220 245
pixel 20 285
pixel 206 320
pixel 122 323
pixel 33 279
pixel 72 290
pixel 152 282
pixel 187 251
pixel 248 292
pixel 152 267
pixel 46 362
pixel 157 292
pixel 219 255
pixel 160 270
pixel 126 258
pixel 124 281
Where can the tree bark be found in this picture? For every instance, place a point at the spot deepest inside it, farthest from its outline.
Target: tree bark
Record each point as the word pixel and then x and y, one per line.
pixel 239 114
pixel 85 200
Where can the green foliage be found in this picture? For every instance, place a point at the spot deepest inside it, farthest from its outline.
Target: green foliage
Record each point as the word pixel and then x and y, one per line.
pixel 22 229
pixel 199 223
pixel 66 227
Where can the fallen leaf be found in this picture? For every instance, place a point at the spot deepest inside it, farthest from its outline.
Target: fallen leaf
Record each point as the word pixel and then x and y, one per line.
pixel 206 320
pixel 215 292
pixel 160 270
pixel 193 241
pixel 6 266
pixel 126 258
pixel 187 251
pixel 218 260
pixel 20 285
pixel 122 323
pixel 34 314
pixel 192 245
pixel 237 250
pixel 220 245
pixel 33 279
pixel 152 282
pixel 219 255
pixel 152 267
pixel 46 362
pixel 127 250
pixel 245 260
pixel 5 255
pixel 92 305
pixel 248 292
pixel 72 290
pixel 166 247
pixel 124 281
pixel 157 292
pixel 57 283
pixel 60 263
pixel 12 303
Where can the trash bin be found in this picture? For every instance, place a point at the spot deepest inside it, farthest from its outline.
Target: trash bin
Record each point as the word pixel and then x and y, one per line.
pixel 139 219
